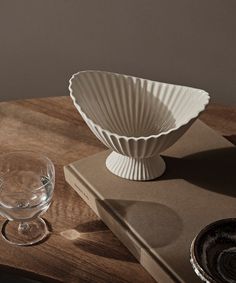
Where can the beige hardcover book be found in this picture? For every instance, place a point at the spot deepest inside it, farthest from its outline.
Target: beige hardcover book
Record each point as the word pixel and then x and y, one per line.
pixel 157 220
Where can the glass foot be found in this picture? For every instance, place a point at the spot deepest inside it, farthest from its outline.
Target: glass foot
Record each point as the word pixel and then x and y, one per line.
pixel 24 233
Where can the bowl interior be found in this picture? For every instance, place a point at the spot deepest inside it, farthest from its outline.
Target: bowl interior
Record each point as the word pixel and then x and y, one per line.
pixel 215 250
pixel 134 107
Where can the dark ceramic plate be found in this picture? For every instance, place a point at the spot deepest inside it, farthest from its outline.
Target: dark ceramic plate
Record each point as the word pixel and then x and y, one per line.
pixel 213 252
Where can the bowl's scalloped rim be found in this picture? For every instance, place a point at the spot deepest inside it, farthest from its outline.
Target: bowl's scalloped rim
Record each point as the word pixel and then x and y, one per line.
pixel 87 119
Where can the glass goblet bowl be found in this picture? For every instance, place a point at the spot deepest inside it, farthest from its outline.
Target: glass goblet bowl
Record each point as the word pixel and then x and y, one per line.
pixel 26 187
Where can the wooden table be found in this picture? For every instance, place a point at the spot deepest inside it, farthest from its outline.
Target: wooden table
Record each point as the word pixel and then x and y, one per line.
pixel 53 126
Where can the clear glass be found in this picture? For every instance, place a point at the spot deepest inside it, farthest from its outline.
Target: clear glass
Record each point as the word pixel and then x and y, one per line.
pixel 26 187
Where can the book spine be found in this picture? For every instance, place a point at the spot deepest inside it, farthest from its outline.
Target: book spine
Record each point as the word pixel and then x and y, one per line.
pixel 98 205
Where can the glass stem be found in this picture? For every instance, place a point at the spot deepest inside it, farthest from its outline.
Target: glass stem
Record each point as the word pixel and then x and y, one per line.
pixel 23 226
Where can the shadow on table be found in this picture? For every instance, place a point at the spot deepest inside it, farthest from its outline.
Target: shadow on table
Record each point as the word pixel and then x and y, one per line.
pixel 92 227
pixel 11 278
pixel 14 275
pixel 94 237
pixel 156 224
pixel 231 138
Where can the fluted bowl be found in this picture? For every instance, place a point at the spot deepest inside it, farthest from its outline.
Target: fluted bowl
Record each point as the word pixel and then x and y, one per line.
pixel 136 118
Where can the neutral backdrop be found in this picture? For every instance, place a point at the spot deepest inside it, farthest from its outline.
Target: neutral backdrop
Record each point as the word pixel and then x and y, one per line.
pixel 189 42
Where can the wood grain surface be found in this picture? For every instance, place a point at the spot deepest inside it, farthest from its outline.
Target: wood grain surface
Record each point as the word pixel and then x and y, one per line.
pixel 54 127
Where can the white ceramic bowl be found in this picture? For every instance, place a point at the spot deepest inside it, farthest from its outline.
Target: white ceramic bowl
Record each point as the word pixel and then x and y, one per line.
pixel 136 118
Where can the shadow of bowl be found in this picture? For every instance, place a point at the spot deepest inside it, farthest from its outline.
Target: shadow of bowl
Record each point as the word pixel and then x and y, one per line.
pixel 213 170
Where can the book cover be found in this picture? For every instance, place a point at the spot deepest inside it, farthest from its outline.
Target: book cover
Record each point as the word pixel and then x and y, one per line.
pixel 157 220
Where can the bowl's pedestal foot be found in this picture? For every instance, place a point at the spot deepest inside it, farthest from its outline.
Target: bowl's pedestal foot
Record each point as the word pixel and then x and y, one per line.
pixel 139 169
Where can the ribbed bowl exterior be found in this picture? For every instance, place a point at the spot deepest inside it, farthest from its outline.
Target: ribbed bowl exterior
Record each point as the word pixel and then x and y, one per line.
pixel 135 169
pixel 133 116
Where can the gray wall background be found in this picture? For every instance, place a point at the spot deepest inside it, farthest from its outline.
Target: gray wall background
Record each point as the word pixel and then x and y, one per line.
pixel 189 42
